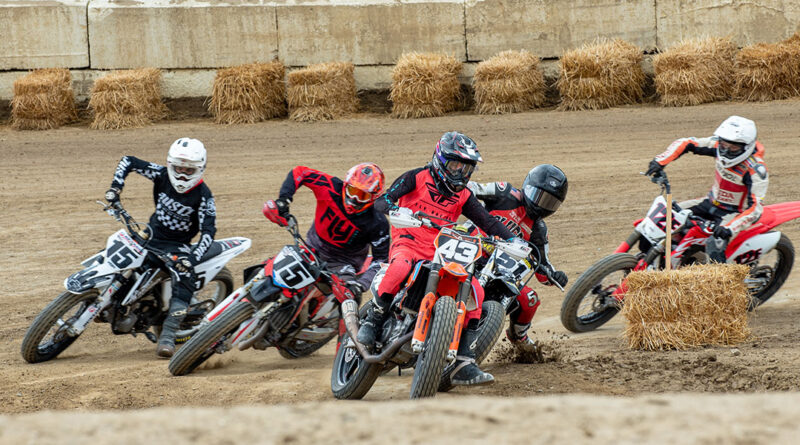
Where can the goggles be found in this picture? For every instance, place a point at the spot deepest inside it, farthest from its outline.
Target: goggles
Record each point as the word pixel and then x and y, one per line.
pixel 730 149
pixel 542 198
pixel 459 169
pixel 189 171
pixel 358 195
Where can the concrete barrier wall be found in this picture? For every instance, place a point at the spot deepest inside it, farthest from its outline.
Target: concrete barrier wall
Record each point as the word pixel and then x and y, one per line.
pixel 200 36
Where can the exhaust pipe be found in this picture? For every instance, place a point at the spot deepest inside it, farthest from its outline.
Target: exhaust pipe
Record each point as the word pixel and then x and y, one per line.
pixel 350 316
pixel 255 337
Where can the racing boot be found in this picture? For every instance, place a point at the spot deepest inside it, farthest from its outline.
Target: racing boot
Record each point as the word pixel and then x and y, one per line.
pixel 467 371
pixel 376 316
pixel 166 342
pixel 518 336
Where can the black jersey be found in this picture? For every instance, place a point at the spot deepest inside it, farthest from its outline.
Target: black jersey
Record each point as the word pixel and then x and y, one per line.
pixel 178 216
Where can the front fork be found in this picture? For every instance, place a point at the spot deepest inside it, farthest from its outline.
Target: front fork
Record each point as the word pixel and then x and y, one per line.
pixel 425 310
pixel 102 301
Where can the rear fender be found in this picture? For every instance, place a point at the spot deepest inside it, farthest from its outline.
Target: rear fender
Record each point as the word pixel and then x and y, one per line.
pixel 772 216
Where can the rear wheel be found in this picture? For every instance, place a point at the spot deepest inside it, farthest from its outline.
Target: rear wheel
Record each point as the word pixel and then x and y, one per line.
pixel 208 339
pixel 771 272
pixel 489 329
pixel 590 302
pixel 49 333
pixel 431 361
pixel 351 376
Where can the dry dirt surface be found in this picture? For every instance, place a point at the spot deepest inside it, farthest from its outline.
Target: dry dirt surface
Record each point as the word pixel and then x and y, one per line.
pixel 49 223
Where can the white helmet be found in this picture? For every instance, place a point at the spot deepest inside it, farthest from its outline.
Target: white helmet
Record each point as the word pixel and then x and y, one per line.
pixel 739 131
pixel 190 154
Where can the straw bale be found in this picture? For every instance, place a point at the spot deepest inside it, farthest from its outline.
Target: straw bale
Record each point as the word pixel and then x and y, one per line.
pixel 704 304
pixel 509 82
pixel 324 91
pixel 601 74
pixel 425 85
pixel 43 99
pixel 249 93
pixel 695 71
pixel 768 71
pixel 127 99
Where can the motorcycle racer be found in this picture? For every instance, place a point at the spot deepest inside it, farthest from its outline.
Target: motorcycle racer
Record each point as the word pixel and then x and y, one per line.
pixel 523 212
pixel 184 207
pixel 346 223
pixel 438 189
pixel 740 182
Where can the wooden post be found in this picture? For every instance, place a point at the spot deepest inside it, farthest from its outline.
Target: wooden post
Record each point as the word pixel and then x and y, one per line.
pixel 668 241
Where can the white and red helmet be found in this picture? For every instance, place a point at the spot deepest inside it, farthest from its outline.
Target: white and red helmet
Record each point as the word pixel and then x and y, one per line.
pixel 186 162
pixel 739 133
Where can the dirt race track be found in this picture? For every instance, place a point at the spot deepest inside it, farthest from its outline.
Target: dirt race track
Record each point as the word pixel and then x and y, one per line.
pixel 49 223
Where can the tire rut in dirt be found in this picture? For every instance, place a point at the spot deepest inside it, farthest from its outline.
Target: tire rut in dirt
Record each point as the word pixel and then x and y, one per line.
pixel 197 349
pixel 785 250
pixel 430 363
pixel 489 329
pixel 584 285
pixel 30 349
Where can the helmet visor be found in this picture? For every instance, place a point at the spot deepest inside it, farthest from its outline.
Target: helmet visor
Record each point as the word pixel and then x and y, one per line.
pixel 730 149
pixel 542 198
pixel 358 195
pixel 459 169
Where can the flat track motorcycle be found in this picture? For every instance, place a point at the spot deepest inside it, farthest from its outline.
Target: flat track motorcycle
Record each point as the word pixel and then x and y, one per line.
pixel 426 317
pixel 121 286
pixel 290 302
pixel 596 295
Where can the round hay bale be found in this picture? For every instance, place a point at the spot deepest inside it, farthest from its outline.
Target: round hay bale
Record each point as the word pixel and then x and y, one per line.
pixel 687 307
pixel 695 71
pixel 601 74
pixel 323 91
pixel 249 93
pixel 768 71
pixel 509 82
pixel 43 99
pixel 425 85
pixel 127 99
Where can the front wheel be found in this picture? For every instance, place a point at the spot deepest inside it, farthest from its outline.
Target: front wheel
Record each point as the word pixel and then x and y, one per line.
pixel 490 327
pixel 202 303
pixel 49 334
pixel 205 342
pixel 590 302
pixel 430 362
pixel 769 275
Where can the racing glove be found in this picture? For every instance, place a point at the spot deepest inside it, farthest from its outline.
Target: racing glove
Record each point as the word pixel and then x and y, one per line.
pixel 112 195
pixel 181 265
pixel 560 277
pixel 356 287
pixel 283 207
pixel 654 168
pixel 722 232
pixel 273 213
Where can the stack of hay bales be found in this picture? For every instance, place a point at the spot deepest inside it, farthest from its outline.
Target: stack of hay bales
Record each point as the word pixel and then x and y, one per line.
pixel 250 93
pixel 601 74
pixel 323 91
pixel 768 71
pixel 695 71
pixel 43 99
pixel 127 99
pixel 688 307
pixel 425 85
pixel 509 82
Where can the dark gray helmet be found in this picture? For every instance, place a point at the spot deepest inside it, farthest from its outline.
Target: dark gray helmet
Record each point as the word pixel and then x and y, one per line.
pixel 543 190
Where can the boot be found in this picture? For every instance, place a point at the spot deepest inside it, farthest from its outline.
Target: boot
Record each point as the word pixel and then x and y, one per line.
pixel 166 342
pixel 467 371
pixel 518 336
pixel 376 316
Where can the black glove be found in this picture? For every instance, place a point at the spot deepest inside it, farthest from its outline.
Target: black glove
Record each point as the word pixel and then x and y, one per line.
pixel 560 278
pixel 182 265
pixel 722 232
pixel 654 168
pixel 356 287
pixel 283 207
pixel 112 195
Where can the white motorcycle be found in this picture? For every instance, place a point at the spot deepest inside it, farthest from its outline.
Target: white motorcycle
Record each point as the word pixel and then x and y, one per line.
pixel 119 287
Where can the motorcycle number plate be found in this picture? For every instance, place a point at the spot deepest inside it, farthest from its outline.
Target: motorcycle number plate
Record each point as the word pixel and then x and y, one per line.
pixel 452 248
pixel 289 269
pixel 506 265
pixel 123 252
pixel 654 226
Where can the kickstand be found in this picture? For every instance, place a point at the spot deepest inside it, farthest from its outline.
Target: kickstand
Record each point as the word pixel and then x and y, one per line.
pixel 150 336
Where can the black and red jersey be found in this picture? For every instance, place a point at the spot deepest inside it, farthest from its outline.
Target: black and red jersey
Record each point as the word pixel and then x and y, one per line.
pixel 336 234
pixel 416 190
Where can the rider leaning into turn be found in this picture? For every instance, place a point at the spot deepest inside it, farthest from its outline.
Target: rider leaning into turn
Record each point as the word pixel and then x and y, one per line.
pixel 740 183
pixel 438 189
pixel 184 207
pixel 345 224
pixel 523 212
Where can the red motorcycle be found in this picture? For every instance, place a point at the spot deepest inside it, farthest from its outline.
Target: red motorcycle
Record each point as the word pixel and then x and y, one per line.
pixel 596 295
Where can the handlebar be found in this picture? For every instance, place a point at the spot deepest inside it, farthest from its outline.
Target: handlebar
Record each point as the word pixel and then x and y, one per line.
pixel 661 179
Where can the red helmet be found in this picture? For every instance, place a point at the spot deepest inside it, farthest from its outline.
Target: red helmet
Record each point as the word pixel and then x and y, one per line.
pixel 362 185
